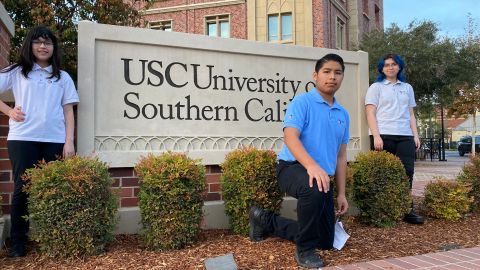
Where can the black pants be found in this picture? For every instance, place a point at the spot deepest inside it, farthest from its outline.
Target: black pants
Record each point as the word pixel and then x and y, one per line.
pixel 403 147
pixel 24 155
pixel 315 210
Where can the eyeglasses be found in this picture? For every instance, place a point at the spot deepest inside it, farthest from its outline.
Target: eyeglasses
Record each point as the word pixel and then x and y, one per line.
pixel 390 65
pixel 45 43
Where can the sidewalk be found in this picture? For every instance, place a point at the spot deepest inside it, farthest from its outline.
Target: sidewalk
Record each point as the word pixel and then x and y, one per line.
pixel 459 259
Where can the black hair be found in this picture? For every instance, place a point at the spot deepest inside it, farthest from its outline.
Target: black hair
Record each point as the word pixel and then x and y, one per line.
pixel 26 58
pixel 329 57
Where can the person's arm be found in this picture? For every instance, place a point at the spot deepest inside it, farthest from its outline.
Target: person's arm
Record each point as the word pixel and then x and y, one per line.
pixel 413 126
pixel 16 113
pixel 292 141
pixel 69 148
pixel 340 177
pixel 371 112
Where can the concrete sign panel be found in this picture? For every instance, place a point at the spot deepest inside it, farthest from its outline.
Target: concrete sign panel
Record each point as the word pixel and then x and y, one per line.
pixel 147 91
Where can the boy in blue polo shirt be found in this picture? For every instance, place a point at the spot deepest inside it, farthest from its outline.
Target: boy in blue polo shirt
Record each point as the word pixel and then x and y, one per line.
pixel 316 134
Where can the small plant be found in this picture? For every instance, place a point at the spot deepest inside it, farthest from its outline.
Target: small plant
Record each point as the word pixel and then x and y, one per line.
pixel 447 199
pixel 381 188
pixel 249 178
pixel 72 206
pixel 170 200
pixel 470 175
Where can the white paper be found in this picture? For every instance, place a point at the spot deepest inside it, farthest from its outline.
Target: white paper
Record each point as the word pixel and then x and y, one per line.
pixel 341 236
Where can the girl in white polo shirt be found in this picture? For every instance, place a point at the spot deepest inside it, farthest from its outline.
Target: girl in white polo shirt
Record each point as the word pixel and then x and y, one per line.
pixel 389 107
pixel 41 124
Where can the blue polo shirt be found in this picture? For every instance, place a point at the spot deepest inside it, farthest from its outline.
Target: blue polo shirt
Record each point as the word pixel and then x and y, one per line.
pixel 323 128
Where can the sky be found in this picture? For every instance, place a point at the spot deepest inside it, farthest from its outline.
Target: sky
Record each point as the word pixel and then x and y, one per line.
pixel 450 15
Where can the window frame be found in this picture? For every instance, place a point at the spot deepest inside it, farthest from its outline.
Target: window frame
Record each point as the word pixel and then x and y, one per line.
pixel 161 25
pixel 343 36
pixel 217 19
pixel 280 28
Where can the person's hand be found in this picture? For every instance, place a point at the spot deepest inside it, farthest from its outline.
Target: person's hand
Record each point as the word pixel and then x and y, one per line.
pixel 417 142
pixel 68 149
pixel 322 178
pixel 16 114
pixel 342 205
pixel 378 143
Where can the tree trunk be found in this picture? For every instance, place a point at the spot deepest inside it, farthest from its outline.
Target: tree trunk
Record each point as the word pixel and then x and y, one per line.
pixel 474 128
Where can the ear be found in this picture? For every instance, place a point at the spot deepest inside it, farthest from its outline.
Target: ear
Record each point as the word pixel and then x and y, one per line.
pixel 314 75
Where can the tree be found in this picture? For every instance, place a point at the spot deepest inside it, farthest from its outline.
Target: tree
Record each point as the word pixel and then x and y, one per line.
pixel 61 16
pixel 467 101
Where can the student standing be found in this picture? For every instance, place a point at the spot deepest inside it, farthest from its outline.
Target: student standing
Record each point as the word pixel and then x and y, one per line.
pixel 389 107
pixel 316 134
pixel 41 125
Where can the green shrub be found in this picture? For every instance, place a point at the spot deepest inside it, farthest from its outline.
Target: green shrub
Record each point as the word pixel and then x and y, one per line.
pixel 447 199
pixel 72 206
pixel 249 178
pixel 170 200
pixel 470 175
pixel 381 188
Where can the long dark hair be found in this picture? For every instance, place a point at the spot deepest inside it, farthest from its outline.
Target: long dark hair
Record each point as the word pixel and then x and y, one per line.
pixel 27 59
pixel 398 60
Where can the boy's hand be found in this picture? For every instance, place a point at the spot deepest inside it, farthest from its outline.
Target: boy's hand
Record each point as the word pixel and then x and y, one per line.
pixel 322 178
pixel 342 205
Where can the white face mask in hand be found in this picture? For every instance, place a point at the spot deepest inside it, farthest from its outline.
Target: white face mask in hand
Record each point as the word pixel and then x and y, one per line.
pixel 341 236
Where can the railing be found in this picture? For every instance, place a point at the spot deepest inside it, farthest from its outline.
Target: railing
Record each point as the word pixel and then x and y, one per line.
pixel 430 148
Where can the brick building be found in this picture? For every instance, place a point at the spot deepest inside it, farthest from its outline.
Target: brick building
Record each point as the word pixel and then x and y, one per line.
pixel 7 30
pixel 337 24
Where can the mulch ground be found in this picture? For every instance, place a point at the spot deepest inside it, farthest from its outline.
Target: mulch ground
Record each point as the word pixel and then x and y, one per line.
pixel 365 244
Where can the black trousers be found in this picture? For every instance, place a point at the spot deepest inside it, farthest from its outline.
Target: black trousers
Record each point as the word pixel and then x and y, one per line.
pixel 315 210
pixel 403 147
pixel 24 155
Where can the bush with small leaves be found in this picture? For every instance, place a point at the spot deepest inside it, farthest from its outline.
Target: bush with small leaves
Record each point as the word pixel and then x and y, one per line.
pixel 71 206
pixel 470 175
pixel 447 199
pixel 380 188
pixel 170 200
pixel 249 178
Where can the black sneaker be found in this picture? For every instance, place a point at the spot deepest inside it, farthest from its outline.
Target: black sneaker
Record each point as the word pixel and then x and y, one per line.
pixel 309 259
pixel 17 251
pixel 413 218
pixel 257 218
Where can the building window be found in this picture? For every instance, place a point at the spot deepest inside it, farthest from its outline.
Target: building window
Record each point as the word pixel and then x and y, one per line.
pixel 218 26
pixel 341 34
pixel 280 27
pixel 161 25
pixel 377 17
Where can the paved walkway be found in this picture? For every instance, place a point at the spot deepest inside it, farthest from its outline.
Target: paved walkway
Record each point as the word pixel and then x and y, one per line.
pixel 459 259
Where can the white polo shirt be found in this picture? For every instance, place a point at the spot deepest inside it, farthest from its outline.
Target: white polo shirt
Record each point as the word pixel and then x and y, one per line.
pixel 42 100
pixel 393 102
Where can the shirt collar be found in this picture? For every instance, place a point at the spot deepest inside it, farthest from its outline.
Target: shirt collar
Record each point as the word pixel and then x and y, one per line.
pixel 386 82
pixel 36 66
pixel 318 98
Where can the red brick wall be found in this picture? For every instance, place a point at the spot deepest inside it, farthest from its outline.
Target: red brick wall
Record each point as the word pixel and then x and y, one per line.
pixel 193 21
pixel 4 46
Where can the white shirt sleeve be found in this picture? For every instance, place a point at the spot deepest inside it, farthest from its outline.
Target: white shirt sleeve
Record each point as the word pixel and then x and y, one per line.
pixel 372 96
pixel 70 95
pixel 6 80
pixel 411 97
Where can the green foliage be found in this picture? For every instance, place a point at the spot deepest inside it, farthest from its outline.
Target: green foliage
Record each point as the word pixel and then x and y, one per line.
pixel 170 200
pixel 447 199
pixel 72 206
pixel 249 178
pixel 62 16
pixel 381 188
pixel 470 175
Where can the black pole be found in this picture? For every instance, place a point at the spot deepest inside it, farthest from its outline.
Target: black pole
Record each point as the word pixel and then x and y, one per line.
pixel 442 140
